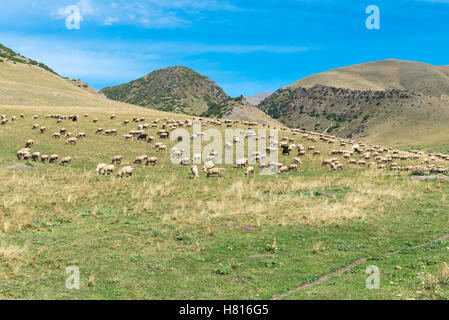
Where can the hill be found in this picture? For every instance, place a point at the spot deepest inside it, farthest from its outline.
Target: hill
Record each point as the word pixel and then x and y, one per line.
pixel 177 89
pixel 258 98
pixel 384 75
pixel 182 90
pixel 239 109
pixel 393 102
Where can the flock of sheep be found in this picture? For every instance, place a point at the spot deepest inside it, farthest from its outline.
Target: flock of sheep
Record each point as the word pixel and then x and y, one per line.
pixel 368 154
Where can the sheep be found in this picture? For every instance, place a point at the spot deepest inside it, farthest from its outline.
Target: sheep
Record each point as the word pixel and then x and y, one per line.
pixel 316 153
pixel 150 139
pixel 29 143
pixel 108 169
pixel 125 172
pixel 293 167
pixel 142 136
pixel 43 129
pixel 65 161
pixel 53 158
pixel 208 165
pixel 56 135
pixel 241 163
pixel 62 130
pixel 215 172
pixel 81 135
pixel 35 156
pixel 161 147
pixel 249 171
pixel 283 169
pixel 35 126
pixel 71 141
pixel 100 168
pixel 297 160
pixel 152 161
pixel 44 158
pixel 139 159
pixel 99 130
pixel 23 153
pixel 117 159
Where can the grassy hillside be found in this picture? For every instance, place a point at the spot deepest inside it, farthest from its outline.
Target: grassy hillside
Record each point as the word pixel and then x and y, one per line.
pixel 27 84
pixel 177 89
pixel 397 102
pixel 163 235
pixel 384 75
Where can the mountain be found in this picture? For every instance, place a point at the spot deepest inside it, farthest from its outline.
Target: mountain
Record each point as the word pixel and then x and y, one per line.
pixel 239 109
pixel 258 98
pixel 183 90
pixel 177 89
pixel 392 101
pixel 384 75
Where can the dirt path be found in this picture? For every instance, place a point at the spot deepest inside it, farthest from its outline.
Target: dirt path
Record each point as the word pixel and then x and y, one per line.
pixel 347 268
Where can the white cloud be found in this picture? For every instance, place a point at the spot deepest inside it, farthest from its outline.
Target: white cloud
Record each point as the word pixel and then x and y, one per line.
pixel 109 21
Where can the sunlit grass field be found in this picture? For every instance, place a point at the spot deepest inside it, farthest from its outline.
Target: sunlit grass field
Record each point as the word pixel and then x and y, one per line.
pixel 163 235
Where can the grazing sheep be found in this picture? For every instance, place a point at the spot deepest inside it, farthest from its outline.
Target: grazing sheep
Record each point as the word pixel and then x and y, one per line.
pixel 35 126
pixel 56 135
pixel 215 172
pixel 100 168
pixel 316 153
pixel 71 141
pixel 44 158
pixel 241 163
pixel 23 153
pixel 117 159
pixel 152 161
pixel 29 143
pixel 161 147
pixel 62 130
pixel 140 159
pixel 194 171
pixel 297 160
pixel 108 169
pixel 293 167
pixel 66 161
pixel 249 171
pixel 208 165
pixel 125 172
pixel 81 135
pixel 283 169
pixel 35 156
pixel 99 130
pixel 54 158
pixel 150 139
pixel 43 129
pixel 142 137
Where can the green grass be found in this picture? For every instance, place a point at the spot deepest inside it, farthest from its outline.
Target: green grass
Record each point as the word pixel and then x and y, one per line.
pixel 163 235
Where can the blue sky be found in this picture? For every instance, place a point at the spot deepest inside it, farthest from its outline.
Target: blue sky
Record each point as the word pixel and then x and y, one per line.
pixel 246 47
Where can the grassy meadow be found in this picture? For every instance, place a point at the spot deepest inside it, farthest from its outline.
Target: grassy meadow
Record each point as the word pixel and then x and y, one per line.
pixel 163 235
